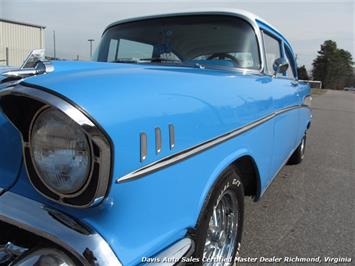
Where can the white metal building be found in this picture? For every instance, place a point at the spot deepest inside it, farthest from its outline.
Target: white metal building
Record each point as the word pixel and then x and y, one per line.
pixel 17 39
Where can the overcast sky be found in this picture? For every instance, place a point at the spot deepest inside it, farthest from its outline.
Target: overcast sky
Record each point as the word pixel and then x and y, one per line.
pixel 306 24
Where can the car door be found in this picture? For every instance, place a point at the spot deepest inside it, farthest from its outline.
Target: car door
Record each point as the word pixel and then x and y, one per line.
pixel 285 98
pixel 302 90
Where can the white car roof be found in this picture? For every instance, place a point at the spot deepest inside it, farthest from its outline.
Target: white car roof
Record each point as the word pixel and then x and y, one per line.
pixel 200 11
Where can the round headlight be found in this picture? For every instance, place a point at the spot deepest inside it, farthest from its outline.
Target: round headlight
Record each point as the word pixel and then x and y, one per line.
pixel 60 152
pixel 45 257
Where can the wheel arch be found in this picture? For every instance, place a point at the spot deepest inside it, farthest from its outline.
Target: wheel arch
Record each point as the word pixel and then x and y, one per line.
pixel 249 173
pixel 247 170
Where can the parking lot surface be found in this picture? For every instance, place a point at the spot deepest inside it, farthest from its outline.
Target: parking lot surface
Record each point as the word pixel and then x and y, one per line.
pixel 309 209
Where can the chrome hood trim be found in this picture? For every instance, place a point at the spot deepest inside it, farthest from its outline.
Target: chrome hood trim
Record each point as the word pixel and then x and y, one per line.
pixel 82 242
pixel 34 64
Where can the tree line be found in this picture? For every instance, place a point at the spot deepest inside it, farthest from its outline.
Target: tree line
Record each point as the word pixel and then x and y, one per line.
pixel 332 66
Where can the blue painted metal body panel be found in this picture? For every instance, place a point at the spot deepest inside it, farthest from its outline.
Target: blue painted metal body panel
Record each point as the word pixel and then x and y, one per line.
pixel 198 112
pixel 142 217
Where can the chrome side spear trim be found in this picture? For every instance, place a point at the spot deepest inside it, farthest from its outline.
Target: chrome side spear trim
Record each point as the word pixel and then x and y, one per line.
pixel 175 158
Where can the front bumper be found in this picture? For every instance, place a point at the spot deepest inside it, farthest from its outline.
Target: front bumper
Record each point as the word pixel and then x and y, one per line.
pixel 80 241
pixel 76 239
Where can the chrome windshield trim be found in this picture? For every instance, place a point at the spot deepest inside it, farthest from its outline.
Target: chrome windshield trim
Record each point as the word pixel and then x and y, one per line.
pixel 86 245
pixel 182 155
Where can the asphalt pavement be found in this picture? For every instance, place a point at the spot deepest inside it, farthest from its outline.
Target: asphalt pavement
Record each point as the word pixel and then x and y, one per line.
pixel 309 209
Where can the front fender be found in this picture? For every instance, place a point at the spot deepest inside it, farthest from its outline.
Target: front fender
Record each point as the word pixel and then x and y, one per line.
pixel 143 217
pixel 222 165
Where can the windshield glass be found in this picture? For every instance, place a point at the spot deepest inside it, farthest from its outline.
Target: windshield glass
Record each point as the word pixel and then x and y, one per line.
pixel 201 39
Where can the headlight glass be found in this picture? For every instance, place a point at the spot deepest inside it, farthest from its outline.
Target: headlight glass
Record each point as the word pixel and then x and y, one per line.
pixel 60 151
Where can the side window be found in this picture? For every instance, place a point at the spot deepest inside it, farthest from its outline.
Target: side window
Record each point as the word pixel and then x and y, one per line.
pixel 132 49
pixel 272 51
pixel 291 70
pixel 112 50
pixel 128 49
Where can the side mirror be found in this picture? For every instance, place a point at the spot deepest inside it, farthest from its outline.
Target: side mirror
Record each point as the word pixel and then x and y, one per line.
pixel 280 66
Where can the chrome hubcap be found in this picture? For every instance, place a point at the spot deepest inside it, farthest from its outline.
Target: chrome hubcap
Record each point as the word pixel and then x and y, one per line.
pixel 221 237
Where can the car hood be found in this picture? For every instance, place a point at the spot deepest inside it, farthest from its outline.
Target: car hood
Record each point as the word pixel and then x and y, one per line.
pixel 127 99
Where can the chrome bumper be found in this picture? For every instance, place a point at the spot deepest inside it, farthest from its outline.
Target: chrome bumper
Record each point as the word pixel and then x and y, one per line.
pixel 77 239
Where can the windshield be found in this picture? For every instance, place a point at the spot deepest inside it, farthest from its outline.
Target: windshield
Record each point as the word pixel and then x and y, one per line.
pixel 201 39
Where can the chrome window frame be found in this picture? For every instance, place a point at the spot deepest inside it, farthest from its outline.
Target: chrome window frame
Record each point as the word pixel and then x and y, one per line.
pixel 276 38
pixel 282 44
pixel 292 66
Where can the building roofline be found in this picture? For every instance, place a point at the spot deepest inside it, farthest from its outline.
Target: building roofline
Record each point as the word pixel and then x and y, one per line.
pixel 22 23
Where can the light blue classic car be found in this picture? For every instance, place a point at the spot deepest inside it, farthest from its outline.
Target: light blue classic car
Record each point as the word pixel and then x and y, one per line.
pixel 145 156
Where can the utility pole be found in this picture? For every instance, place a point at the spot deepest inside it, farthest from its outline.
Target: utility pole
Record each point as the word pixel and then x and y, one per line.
pixel 91 41
pixel 7 56
pixel 54 51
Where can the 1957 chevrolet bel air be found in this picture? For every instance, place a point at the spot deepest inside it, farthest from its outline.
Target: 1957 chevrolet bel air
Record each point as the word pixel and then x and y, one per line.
pixel 145 155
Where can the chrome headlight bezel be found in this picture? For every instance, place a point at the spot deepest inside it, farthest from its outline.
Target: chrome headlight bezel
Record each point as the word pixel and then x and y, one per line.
pixel 22 103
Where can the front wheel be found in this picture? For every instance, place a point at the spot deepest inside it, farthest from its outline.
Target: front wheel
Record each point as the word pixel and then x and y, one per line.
pixel 298 154
pixel 219 229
